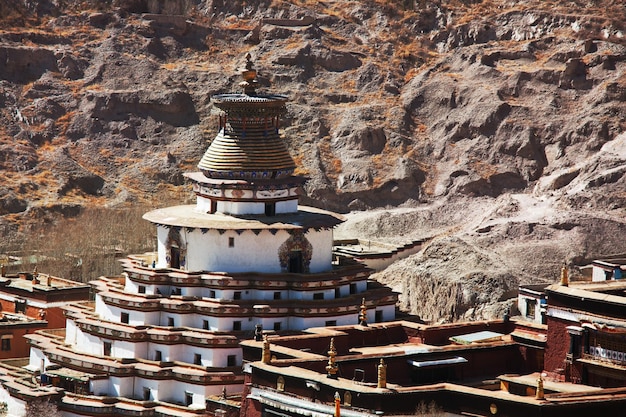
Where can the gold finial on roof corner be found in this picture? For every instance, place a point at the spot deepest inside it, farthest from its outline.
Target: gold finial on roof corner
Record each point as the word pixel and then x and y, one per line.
pixel 539 394
pixel 249 83
pixel 564 277
pixel 382 374
pixel 332 368
pixel 363 314
pixel 266 352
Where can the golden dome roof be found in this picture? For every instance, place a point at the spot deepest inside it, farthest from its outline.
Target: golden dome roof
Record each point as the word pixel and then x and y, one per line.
pixel 248 144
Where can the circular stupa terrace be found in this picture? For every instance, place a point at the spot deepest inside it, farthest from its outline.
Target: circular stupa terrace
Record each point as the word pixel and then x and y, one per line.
pixel 188 216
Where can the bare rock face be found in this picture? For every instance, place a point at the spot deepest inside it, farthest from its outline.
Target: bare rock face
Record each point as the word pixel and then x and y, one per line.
pixel 450 280
pixel 488 130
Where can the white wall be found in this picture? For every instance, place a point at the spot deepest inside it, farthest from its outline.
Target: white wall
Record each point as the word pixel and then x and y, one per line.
pixel 87 343
pixel 99 386
pixel 121 386
pixel 246 207
pixel 70 332
pixel 35 358
pixel 301 323
pixel 16 407
pixel 210 251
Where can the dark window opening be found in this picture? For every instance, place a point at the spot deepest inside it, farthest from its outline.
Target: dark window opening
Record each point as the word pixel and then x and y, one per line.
pixel 231 242
pixel 205 324
pixel 158 356
pixel 575 346
pixel 231 360
pixel 142 289
pixel 236 325
pixel 295 262
pixel 188 398
pixel 146 394
pixel 237 295
pixel 318 296
pixel 330 323
pixel 170 321
pixel 378 316
pixel 277 295
pixel 212 294
pixel 213 206
pixel 6 344
pixel 277 326
pixel 124 318
pixel 197 359
pixel 531 305
pixel 270 209
pixel 353 288
pixel 337 292
pixel 106 347
pixel 174 257
pixel 434 374
pixel 20 306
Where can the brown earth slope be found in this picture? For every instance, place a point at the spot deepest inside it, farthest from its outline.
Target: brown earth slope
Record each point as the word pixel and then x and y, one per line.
pixel 496 126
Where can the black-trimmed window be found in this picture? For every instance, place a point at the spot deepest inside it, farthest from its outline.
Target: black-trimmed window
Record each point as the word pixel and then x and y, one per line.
pixel 20 306
pixel 531 306
pixel 236 325
pixel 197 359
pixel 231 360
pixel 5 343
pixel 378 316
pixel 124 317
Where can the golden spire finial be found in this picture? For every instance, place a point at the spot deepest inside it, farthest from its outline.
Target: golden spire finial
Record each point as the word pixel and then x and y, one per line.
pixel 249 82
pixel 564 277
pixel 382 374
pixel 540 394
pixel 363 314
pixel 332 368
pixel 266 353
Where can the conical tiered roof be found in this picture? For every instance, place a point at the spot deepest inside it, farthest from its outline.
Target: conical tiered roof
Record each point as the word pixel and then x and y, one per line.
pixel 248 145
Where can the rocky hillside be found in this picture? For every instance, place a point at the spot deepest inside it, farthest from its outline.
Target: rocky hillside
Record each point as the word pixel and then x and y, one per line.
pixel 494 128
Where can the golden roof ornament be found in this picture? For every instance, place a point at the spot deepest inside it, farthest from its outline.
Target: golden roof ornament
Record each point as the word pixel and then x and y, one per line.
pixel 539 394
pixel 249 83
pixel 564 277
pixel 363 314
pixel 332 368
pixel 266 353
pixel 382 374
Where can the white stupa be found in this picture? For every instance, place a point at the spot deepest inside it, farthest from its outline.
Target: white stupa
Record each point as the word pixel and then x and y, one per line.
pixel 245 257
